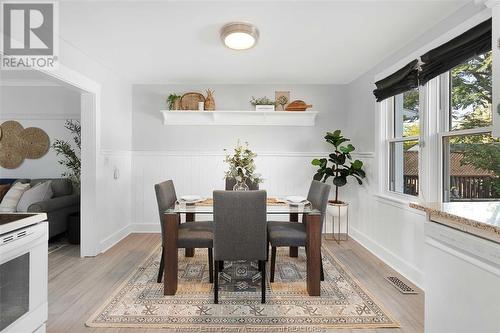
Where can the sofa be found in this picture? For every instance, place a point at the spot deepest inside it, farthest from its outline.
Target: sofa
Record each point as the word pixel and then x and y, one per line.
pixel 65 201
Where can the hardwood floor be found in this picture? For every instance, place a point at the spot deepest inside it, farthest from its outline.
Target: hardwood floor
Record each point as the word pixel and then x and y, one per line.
pixel 77 286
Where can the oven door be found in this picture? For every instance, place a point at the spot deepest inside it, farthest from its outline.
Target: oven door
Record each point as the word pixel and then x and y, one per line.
pixel 23 279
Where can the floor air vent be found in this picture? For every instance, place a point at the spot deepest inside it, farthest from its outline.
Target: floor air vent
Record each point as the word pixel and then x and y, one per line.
pixel 400 285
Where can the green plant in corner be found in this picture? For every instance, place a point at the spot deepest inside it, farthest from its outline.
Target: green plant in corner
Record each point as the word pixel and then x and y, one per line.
pixel 171 100
pixel 342 164
pixel 70 155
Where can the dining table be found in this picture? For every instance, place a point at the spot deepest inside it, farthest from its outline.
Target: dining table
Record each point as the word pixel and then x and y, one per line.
pixel 172 219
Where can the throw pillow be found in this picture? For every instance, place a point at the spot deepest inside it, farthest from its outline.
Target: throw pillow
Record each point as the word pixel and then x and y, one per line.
pixel 12 197
pixel 3 190
pixel 40 192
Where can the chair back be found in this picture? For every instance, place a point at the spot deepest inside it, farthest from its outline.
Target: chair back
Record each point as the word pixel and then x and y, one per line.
pixel 230 182
pixel 318 197
pixel 165 197
pixel 240 227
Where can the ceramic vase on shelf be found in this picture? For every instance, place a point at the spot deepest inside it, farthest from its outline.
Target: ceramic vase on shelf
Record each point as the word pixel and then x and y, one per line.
pixel 209 101
pixel 177 104
pixel 241 186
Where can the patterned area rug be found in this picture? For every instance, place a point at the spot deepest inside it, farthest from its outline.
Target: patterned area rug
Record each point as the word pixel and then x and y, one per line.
pixel 139 301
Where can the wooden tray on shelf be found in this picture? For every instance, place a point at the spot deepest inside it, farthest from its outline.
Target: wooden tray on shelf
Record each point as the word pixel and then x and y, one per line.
pixel 190 100
pixel 298 105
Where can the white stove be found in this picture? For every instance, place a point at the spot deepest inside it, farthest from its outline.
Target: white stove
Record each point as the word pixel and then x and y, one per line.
pixel 23 273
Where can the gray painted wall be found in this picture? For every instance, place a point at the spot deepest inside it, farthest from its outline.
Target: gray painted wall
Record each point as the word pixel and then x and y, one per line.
pixel 149 133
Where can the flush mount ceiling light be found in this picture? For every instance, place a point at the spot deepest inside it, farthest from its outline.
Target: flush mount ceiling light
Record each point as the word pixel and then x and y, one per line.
pixel 239 35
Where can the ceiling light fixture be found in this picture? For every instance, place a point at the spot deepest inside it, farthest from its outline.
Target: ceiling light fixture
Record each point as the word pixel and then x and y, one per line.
pixel 239 35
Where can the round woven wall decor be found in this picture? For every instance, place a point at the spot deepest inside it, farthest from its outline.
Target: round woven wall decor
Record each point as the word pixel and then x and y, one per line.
pixel 11 128
pixel 35 141
pixel 11 155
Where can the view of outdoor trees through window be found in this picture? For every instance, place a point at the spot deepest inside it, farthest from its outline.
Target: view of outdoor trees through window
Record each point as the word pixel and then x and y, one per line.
pixel 404 149
pixel 472 161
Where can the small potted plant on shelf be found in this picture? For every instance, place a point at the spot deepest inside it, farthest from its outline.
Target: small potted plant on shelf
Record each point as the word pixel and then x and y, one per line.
pixel 263 104
pixel 242 167
pixel 342 167
pixel 174 102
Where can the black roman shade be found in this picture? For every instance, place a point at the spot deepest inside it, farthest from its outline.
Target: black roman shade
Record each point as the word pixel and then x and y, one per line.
pixel 403 80
pixel 443 58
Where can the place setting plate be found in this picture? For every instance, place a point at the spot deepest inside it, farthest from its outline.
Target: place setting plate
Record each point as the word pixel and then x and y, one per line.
pixel 296 200
pixel 191 199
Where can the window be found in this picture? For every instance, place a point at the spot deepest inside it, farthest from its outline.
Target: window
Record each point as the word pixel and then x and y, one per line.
pixel 471 156
pixel 404 143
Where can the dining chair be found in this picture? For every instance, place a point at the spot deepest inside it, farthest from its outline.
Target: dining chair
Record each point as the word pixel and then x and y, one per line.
pixel 240 231
pixel 293 234
pixel 191 234
pixel 230 182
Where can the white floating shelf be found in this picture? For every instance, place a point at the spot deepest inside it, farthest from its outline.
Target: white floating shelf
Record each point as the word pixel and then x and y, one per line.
pixel 240 118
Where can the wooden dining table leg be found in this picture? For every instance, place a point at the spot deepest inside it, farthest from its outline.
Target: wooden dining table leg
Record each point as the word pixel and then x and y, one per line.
pixel 294 251
pixel 170 236
pixel 189 252
pixel 313 250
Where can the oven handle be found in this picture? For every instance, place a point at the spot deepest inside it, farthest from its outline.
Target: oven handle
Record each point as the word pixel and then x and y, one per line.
pixel 35 235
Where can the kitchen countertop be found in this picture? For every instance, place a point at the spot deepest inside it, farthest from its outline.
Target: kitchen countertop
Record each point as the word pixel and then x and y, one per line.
pixel 477 218
pixel 13 221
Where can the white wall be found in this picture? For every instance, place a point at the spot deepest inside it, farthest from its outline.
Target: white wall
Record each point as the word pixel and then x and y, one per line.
pixel 389 228
pixel 149 133
pixel 111 205
pixel 46 107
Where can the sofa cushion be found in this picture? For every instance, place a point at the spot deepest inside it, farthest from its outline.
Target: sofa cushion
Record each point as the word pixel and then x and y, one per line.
pixel 11 199
pixel 3 190
pixel 60 186
pixel 40 192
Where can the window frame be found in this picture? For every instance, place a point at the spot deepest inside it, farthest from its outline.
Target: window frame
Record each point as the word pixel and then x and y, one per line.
pixel 434 116
pixel 386 110
pixel 445 132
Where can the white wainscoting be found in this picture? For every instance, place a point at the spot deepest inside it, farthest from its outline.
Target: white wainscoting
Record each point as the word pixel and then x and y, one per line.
pixel 393 232
pixel 202 172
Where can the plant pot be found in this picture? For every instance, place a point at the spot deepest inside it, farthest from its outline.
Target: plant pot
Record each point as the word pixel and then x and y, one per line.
pixel 264 108
pixel 74 228
pixel 337 209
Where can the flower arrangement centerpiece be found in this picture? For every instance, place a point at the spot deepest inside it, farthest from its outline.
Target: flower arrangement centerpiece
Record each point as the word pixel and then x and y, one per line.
pixel 242 167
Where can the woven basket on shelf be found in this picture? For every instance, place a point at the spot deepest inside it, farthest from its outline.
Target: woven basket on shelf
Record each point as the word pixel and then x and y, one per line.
pixel 189 101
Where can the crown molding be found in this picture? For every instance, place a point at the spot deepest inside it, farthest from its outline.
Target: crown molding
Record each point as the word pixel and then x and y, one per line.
pixel 488 3
pixel 27 83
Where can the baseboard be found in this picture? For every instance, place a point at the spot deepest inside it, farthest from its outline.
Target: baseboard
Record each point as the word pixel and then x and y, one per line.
pixel 410 272
pixel 114 238
pixel 145 228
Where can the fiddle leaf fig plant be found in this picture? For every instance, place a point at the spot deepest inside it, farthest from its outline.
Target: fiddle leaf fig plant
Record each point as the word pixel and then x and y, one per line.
pixel 342 166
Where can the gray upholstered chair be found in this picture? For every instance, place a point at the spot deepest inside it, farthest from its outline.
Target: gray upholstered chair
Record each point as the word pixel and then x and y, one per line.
pixel 230 182
pixel 240 231
pixel 294 233
pixel 191 234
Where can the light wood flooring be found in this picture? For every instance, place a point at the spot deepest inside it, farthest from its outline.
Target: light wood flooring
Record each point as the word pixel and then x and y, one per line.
pixel 78 286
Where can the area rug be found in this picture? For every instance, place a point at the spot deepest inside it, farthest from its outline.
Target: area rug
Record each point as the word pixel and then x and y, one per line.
pixel 139 301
